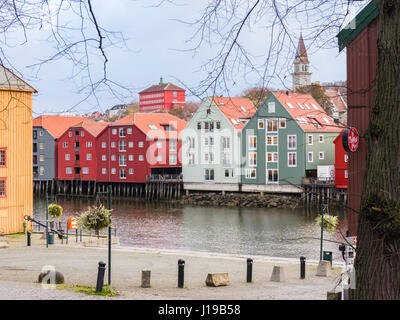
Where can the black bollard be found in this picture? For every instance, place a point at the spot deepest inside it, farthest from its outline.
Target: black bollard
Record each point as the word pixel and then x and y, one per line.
pixel 249 269
pixel 100 276
pixel 181 276
pixel 28 238
pixel 302 267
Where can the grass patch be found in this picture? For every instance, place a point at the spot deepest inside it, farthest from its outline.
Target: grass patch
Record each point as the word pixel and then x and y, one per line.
pixel 16 235
pixel 107 290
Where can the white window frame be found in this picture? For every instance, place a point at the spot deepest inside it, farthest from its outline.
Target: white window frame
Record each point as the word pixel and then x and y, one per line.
pixel 103 144
pixel 88 156
pixel 272 120
pixel 319 138
pixel 250 144
pixel 173 145
pixel 103 157
pixel 140 144
pixel 120 173
pixel 114 131
pixel 295 160
pixel 174 158
pixel 273 154
pixel 68 170
pixel 249 171
pixel 85 170
pixel 113 171
pixel 130 158
pixel 271 107
pixel 129 130
pixel 261 121
pixel 346 158
pixel 131 171
pixel 103 170
pixel 319 155
pixel 122 130
pixel 67 157
pixel 272 140
pixel 272 182
pixel 308 139
pixel 284 121
pixel 308 157
pixel 295 141
pixel 252 164
pixel 140 157
pixel 209 174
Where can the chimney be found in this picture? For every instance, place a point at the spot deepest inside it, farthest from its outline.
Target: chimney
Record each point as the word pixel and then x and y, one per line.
pixel 288 93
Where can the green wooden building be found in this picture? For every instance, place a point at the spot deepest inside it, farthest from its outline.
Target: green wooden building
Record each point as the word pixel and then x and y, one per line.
pixel 285 141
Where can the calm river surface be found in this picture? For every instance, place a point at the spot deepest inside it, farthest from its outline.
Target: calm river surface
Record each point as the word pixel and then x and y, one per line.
pixel 249 231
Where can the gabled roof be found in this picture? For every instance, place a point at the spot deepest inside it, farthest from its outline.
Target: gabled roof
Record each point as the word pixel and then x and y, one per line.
pixel 301 52
pixel 309 114
pixel 9 80
pixel 338 137
pixel 93 127
pixel 57 125
pixel 153 125
pixel 336 99
pixel 235 109
pixel 162 87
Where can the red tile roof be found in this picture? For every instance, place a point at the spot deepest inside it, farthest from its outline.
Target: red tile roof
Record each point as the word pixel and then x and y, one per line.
pixel 57 125
pixel 94 128
pixel 337 99
pixel 162 87
pixel 235 109
pixel 311 119
pixel 151 124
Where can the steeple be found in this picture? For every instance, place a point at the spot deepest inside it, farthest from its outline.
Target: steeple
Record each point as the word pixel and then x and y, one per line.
pixel 161 80
pixel 301 65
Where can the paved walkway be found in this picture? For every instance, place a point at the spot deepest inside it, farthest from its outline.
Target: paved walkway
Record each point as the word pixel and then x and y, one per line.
pixel 20 266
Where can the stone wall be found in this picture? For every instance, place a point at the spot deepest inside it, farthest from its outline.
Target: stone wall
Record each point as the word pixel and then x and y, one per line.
pixel 241 200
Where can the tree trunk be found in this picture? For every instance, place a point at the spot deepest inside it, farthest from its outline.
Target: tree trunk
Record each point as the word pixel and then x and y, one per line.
pixel 378 237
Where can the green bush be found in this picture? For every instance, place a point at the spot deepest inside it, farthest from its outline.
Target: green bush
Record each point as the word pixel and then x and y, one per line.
pixel 330 223
pixel 95 218
pixel 55 211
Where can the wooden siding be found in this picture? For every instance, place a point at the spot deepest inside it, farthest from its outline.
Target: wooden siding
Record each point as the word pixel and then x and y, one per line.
pixel 361 66
pixel 16 137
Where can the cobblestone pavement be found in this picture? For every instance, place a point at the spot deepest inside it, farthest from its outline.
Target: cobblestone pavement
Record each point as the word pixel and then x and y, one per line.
pixel 20 266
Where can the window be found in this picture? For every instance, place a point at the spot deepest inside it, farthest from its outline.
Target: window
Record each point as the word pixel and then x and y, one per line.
pixel 131 171
pixel 310 140
pixel 191 158
pixel 68 170
pixel 172 158
pixel 271 107
pixel 103 170
pixel 252 159
pixel 34 159
pixel 122 145
pixel 2 187
pixel 113 171
pixel 103 157
pixel 41 145
pixel 209 174
pixel 35 147
pixel 88 156
pixel 67 157
pixel 140 144
pixel 321 138
pixel 85 170
pixel 88 144
pixel 228 173
pixel 122 173
pixel 122 132
pixel 34 134
pixel 310 157
pixel 252 143
pixel 273 176
pixel 2 157
pixel 129 130
pixel 300 106
pixel 152 127
pixel 251 173
pixel 282 123
pixel 272 156
pixel 307 106
pixel 41 170
pixel 41 157
pixel 260 124
pixel 218 125
pixel 70 134
pixel 321 156
pixel 114 131
pixel 82 133
pixel 198 125
pixel 234 121
pixel 289 105
pixel 346 174
pixel 226 142
pixel 103 145
pixel 272 125
pixel 292 142
pixel 292 159
pixel 172 145
pixel 206 126
pixel 346 158
pixel 226 159
pixel 113 144
pixel 140 157
pixel 191 142
pixel 272 140
pixel 41 133
pixel 130 144
pixel 206 141
pixel 113 157
pixel 122 160
pixel 130 157
pixel 314 106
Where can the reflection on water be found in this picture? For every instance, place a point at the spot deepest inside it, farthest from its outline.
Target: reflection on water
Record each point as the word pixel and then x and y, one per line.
pixel 250 231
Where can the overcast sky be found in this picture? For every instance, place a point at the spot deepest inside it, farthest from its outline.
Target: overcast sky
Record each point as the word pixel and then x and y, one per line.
pixel 154 44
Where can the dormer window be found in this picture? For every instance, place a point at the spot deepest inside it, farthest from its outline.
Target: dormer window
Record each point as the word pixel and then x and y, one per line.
pixel 152 127
pixel 243 109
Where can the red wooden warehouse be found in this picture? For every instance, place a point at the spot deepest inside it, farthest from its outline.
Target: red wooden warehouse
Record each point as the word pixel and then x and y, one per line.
pixel 161 97
pixel 360 41
pixel 341 160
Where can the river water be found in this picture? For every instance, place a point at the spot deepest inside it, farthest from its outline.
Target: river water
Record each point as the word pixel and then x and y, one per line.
pixel 250 231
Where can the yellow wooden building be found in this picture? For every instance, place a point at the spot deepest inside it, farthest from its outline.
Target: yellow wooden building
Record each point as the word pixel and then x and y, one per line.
pixel 16 190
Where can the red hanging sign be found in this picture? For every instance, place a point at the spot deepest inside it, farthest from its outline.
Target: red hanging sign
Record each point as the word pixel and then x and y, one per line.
pixel 350 139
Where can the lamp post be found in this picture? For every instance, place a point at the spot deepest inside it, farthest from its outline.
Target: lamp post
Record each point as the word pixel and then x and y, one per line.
pixel 109 234
pixel 322 228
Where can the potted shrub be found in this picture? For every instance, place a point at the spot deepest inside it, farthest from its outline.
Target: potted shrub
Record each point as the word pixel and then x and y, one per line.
pixel 95 218
pixel 55 211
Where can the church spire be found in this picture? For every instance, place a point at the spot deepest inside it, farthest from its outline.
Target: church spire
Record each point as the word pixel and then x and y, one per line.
pixel 301 52
pixel 301 64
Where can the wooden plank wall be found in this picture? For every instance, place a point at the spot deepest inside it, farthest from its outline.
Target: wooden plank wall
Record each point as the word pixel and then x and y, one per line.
pixel 16 137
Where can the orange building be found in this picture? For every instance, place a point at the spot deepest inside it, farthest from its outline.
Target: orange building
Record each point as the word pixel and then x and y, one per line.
pixel 16 192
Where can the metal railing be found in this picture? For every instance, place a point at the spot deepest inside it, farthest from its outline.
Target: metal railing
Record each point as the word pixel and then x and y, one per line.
pixel 163 177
